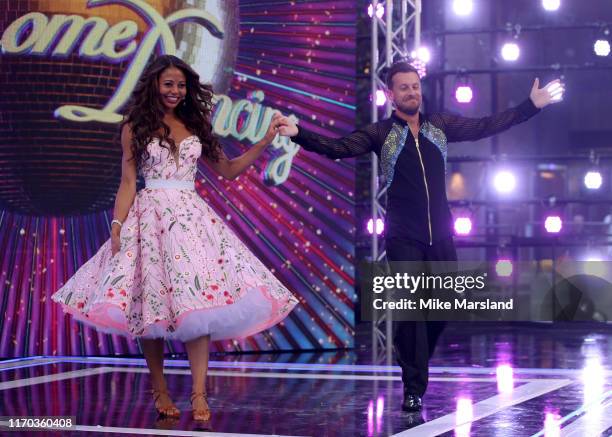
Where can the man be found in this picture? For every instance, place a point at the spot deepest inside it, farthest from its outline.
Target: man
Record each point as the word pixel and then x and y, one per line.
pixel 411 147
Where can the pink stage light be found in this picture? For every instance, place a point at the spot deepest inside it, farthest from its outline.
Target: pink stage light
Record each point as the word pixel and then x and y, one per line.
pixel 505 378
pixel 464 94
pixel 380 226
pixel 380 10
pixel 463 225
pixel 381 98
pixel 463 417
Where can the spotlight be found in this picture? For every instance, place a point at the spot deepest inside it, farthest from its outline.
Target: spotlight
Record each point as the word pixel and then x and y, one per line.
pixel 593 375
pixel 380 226
pixel 464 417
pixel 504 182
pixel 463 7
pixel 380 10
pixel 422 54
pixel 593 180
pixel 504 268
pixel 505 378
pixel 381 98
pixel 553 224
pixel 552 425
pixel 551 5
pixel 602 47
pixel 420 66
pixel 464 94
pixel 463 225
pixel 510 51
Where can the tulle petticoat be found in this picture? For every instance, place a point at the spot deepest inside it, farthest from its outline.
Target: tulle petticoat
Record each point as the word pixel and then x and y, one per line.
pixel 181 273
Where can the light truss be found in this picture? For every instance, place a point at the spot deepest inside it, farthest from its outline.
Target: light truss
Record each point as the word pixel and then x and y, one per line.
pixel 402 35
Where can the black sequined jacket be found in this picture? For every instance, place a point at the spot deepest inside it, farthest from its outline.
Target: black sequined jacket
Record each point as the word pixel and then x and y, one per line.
pixel 415 168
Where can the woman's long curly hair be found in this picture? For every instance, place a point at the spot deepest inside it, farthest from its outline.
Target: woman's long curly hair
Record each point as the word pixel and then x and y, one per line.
pixel 145 113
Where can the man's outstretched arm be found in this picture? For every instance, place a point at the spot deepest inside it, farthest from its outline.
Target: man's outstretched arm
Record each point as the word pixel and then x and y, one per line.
pixel 357 143
pixel 459 128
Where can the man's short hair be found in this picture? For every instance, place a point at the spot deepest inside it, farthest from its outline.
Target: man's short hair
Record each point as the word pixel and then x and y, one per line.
pixel 399 67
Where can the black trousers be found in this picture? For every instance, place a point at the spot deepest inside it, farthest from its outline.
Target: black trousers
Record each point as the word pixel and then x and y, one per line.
pixel 415 342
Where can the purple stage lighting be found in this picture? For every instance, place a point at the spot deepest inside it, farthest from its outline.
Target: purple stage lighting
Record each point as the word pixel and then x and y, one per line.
pixel 510 51
pixel 464 94
pixel 504 182
pixel 381 98
pixel 380 10
pixel 505 379
pixel 463 225
pixel 593 180
pixel 553 224
pixel 463 7
pixel 380 226
pixel 551 5
pixel 464 417
pixel 423 54
pixel 602 47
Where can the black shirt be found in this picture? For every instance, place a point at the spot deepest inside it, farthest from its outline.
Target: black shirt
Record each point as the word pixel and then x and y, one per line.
pixel 415 171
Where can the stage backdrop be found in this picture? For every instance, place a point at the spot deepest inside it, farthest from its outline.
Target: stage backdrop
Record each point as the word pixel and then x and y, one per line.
pixel 67 68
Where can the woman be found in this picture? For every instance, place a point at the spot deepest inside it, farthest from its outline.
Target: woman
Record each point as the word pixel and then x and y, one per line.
pixel 172 269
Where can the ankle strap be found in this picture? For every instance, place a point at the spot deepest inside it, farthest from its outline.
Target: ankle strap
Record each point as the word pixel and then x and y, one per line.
pixel 195 395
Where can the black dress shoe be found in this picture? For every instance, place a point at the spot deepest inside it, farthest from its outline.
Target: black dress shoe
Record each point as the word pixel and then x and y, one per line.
pixel 412 402
pixel 412 419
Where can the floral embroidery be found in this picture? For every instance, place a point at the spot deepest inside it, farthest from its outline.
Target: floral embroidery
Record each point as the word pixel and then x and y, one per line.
pixel 176 252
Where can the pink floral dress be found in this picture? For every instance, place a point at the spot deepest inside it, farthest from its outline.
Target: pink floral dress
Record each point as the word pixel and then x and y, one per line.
pixel 181 272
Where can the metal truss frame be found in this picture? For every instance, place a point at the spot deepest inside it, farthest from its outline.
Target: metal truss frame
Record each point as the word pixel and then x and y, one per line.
pixel 401 28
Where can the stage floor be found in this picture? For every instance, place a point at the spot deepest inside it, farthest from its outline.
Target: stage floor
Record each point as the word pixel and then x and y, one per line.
pixel 486 380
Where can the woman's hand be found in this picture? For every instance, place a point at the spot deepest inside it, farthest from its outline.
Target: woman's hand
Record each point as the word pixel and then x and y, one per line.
pixel 115 240
pixel 272 129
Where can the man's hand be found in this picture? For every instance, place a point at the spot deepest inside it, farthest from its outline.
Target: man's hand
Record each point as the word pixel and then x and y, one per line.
pixel 287 127
pixel 551 93
pixel 273 129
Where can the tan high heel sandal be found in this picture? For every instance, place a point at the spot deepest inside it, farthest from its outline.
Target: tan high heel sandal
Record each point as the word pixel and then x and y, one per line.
pixel 170 411
pixel 202 414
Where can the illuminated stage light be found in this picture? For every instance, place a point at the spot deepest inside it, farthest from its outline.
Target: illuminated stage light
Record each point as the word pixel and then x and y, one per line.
pixel 553 224
pixel 380 10
pixel 510 51
pixel 423 54
pixel 381 98
pixel 602 47
pixel 505 379
pixel 463 7
pixel 464 94
pixel 380 226
pixel 504 182
pixel 593 180
pixel 551 5
pixel 463 225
